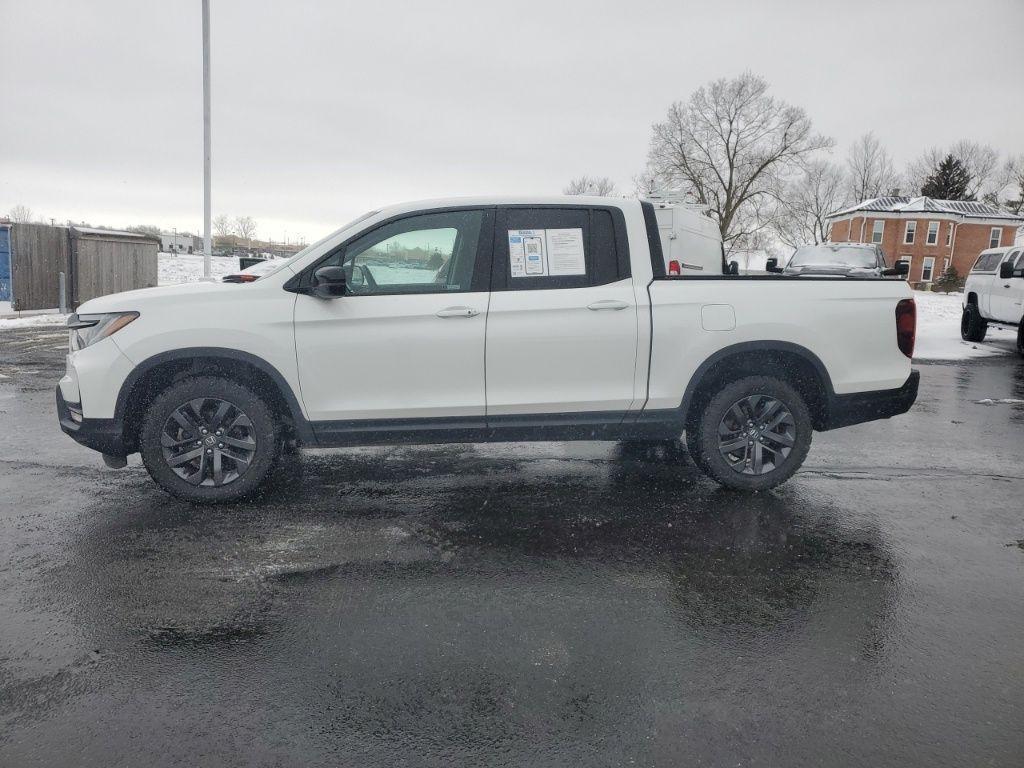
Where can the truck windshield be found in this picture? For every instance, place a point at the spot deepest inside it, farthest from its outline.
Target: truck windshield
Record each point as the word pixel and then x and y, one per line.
pixel 833 255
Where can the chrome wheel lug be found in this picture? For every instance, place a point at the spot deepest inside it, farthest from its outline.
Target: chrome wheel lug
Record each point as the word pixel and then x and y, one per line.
pixel 220 445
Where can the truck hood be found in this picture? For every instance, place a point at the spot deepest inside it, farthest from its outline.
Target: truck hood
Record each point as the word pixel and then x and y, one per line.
pixel 832 269
pixel 137 300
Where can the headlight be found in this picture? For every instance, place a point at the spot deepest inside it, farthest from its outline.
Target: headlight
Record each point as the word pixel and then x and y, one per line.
pixel 88 329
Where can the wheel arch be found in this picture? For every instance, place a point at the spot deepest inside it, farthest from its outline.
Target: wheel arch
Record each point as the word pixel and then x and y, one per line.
pixel 152 375
pixel 790 362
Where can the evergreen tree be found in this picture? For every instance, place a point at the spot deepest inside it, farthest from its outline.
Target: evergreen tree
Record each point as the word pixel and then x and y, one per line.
pixel 949 281
pixel 949 181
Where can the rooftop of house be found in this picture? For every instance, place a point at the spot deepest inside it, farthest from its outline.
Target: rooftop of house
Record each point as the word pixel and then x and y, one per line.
pixel 969 209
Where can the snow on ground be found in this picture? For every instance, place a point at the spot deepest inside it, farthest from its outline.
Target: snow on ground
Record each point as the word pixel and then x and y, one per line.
pixel 29 321
pixel 188 268
pixel 938 331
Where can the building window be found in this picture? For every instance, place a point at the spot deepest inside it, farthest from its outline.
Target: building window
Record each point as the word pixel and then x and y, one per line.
pixel 949 235
pixel 933 233
pixel 908 234
pixel 927 269
pixel 995 237
pixel 877 230
pixel 945 265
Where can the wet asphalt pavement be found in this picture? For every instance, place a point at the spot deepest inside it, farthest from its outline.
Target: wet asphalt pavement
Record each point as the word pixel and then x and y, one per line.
pixel 548 604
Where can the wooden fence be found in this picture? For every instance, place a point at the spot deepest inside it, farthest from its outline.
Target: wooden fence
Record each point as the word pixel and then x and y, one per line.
pixel 39 253
pixel 95 263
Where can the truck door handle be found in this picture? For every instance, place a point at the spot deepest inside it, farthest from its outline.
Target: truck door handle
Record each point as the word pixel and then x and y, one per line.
pixel 607 304
pixel 458 312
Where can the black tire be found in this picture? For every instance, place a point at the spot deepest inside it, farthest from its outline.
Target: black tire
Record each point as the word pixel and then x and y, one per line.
pixel 973 326
pixel 766 454
pixel 1020 338
pixel 173 421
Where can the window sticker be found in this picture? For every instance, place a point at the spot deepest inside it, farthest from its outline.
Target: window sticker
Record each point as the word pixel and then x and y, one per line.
pixel 546 252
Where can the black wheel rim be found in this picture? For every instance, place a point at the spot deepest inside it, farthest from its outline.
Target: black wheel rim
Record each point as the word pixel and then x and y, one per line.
pixel 756 434
pixel 208 442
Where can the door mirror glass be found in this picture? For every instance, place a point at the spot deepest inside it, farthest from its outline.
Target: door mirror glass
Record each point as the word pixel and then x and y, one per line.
pixel 900 268
pixel 1006 270
pixel 772 265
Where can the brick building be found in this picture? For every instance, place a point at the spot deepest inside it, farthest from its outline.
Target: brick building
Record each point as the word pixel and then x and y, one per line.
pixel 925 232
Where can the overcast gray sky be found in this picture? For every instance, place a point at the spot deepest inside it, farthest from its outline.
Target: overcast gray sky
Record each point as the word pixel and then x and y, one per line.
pixel 323 110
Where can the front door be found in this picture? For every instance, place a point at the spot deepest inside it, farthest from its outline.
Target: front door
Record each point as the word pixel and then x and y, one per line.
pixel 406 341
pixel 1007 294
pixel 562 324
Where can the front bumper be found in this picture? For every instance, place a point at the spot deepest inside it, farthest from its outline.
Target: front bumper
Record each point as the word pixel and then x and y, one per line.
pixel 103 435
pixel 858 407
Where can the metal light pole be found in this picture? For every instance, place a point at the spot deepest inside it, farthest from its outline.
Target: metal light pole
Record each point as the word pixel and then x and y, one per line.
pixel 207 239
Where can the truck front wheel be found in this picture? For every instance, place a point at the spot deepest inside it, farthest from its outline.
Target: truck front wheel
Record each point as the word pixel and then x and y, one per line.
pixel 752 435
pixel 209 439
pixel 972 325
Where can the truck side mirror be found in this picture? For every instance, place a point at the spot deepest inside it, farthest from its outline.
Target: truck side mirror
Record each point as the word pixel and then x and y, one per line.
pixel 1006 270
pixel 900 269
pixel 734 267
pixel 772 265
pixel 329 282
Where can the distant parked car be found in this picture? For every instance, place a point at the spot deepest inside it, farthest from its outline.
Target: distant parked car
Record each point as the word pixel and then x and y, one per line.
pixel 839 259
pixel 994 293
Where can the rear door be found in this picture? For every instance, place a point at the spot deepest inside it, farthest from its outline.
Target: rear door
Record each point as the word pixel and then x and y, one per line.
pixel 562 323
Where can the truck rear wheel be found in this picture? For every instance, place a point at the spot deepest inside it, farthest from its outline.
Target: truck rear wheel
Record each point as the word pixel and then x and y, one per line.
pixel 209 439
pixel 972 325
pixel 753 434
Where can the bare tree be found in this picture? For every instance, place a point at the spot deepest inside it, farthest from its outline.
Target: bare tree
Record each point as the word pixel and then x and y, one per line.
pixel 871 172
pixel 20 214
pixel 600 186
pixel 1013 174
pixel 980 160
pixel 245 227
pixel 222 226
pixel 731 147
pixel 820 189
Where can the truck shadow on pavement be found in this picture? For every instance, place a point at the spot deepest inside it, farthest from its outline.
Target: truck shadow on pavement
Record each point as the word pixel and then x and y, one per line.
pixel 177 574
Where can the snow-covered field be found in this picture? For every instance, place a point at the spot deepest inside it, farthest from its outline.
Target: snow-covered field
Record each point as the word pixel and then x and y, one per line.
pixel 938 314
pixel 188 268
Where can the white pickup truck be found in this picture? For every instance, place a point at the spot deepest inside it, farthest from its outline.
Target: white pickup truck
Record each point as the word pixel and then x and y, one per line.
pixel 474 320
pixel 994 293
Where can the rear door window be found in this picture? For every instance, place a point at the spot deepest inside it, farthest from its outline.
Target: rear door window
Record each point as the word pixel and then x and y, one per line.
pixel 544 248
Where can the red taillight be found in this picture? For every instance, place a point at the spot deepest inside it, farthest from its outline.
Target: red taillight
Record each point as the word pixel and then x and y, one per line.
pixel 674 268
pixel 906 326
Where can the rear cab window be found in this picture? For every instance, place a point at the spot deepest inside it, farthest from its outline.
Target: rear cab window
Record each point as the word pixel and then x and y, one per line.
pixel 543 248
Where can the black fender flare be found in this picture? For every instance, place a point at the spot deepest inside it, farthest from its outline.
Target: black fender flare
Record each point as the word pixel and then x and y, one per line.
pixel 302 428
pixel 743 347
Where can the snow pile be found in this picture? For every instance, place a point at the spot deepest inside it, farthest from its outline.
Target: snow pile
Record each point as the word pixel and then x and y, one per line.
pixel 29 321
pixel 188 268
pixel 938 331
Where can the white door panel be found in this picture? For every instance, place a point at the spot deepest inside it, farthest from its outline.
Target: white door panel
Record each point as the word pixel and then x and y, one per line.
pixel 562 350
pixel 1006 295
pixel 391 357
